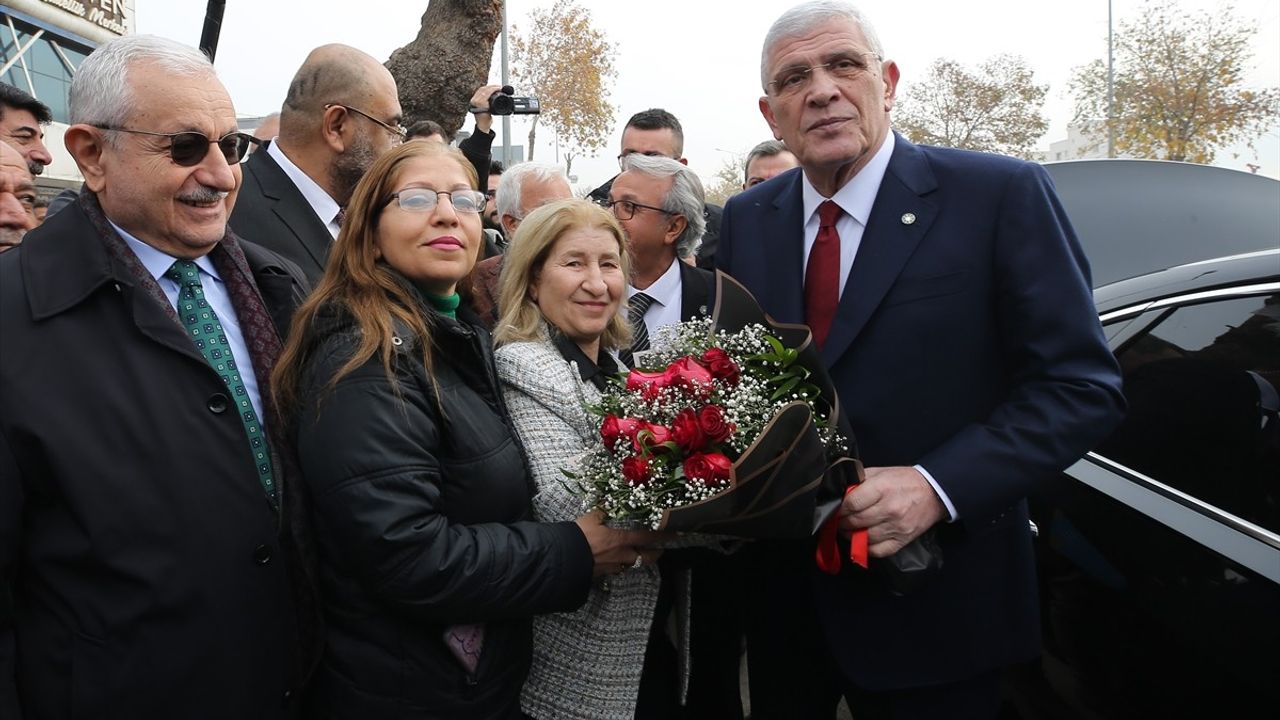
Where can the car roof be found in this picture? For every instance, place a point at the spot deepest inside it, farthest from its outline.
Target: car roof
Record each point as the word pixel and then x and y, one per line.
pixel 1134 217
pixel 1255 268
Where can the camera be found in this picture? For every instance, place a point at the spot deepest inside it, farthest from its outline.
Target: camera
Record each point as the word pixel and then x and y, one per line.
pixel 504 102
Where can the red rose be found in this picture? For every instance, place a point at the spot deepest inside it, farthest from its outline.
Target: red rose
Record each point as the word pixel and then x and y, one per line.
pixel 722 366
pixel 687 432
pixel 612 428
pixel 637 379
pixel 711 468
pixel 650 437
pixel 691 375
pixel 716 428
pixel 649 384
pixel 636 470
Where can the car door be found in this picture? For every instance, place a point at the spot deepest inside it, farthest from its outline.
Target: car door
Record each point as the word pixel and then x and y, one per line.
pixel 1160 552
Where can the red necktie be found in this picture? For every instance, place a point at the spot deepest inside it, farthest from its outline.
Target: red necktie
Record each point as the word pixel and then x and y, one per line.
pixel 822 276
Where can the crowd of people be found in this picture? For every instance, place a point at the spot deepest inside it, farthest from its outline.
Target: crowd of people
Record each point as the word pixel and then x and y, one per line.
pixel 284 418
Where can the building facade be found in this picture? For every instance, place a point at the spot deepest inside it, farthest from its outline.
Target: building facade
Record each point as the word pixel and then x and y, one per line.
pixel 42 42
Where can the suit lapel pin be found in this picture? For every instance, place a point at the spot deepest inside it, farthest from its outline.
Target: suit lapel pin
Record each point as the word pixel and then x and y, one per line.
pixel 908 218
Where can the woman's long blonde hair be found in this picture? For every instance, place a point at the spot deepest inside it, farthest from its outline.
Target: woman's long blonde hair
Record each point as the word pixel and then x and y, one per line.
pixel 355 281
pixel 520 318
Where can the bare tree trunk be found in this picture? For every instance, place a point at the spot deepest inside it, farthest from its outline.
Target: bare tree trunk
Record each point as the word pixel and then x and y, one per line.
pixel 533 130
pixel 568 163
pixel 439 71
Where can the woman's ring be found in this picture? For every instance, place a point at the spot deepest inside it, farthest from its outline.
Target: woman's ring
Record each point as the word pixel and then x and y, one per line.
pixel 639 561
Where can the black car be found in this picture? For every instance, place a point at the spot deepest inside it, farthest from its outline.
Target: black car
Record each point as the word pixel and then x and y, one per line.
pixel 1159 552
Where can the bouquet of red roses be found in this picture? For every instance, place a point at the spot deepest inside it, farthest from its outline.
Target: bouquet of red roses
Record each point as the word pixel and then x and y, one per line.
pixel 729 427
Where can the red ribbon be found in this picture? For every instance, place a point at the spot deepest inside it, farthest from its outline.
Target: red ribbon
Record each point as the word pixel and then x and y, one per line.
pixel 828 554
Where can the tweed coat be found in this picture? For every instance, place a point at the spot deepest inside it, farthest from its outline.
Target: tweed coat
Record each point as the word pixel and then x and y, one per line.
pixel 586 664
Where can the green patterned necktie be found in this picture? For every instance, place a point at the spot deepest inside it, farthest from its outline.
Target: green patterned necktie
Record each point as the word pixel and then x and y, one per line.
pixel 202 323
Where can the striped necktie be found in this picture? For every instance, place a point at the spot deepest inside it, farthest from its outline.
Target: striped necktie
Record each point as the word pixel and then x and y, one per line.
pixel 637 306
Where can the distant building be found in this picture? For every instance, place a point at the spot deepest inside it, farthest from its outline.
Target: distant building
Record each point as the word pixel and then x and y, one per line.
pixel 1078 145
pixel 42 42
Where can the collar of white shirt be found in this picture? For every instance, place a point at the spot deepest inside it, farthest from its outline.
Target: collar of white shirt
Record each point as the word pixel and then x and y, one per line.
pixel 665 291
pixel 158 263
pixel 324 206
pixel 859 194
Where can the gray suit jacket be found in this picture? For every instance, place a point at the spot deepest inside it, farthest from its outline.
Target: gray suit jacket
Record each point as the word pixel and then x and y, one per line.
pixel 272 212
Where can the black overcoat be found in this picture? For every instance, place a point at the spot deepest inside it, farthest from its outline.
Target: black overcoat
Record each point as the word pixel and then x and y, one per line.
pixel 142 568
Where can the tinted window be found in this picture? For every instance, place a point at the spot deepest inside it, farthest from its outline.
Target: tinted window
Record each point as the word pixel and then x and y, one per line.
pixel 1195 382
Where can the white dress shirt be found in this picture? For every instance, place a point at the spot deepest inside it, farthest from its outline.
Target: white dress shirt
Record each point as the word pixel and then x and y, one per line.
pixel 215 291
pixel 856 199
pixel 325 207
pixel 667 292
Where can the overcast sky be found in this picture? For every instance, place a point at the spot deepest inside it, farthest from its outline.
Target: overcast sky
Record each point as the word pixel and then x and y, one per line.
pixel 700 59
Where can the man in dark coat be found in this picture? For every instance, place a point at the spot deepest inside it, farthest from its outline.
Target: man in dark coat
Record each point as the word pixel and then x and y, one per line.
pixel 950 301
pixel 341 112
pixel 144 571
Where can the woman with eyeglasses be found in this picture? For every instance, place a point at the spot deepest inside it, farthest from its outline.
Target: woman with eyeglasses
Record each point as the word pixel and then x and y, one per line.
pixel 430 566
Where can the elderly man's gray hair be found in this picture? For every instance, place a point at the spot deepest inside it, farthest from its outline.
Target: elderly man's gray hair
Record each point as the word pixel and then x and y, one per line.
pixel 511 182
pixel 685 197
pixel 807 17
pixel 100 90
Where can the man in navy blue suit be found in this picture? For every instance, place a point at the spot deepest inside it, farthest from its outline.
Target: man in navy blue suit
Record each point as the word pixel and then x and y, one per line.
pixel 951 302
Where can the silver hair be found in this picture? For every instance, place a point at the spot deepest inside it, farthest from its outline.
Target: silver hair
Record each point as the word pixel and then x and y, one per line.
pixel 100 90
pixel 768 148
pixel 685 198
pixel 805 18
pixel 511 183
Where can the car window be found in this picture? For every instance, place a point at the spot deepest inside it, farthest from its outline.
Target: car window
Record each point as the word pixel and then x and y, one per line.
pixel 1200 383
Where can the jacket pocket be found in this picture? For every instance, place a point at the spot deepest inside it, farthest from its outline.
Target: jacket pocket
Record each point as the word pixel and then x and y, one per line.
pixel 914 289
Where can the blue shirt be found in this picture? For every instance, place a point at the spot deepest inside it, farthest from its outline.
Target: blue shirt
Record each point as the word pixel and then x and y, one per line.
pixel 215 291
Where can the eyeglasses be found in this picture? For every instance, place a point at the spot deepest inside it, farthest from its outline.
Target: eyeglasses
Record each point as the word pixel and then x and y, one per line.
pixel 421 200
pixel 491 194
pixel 792 80
pixel 397 131
pixel 647 153
pixel 626 209
pixel 190 148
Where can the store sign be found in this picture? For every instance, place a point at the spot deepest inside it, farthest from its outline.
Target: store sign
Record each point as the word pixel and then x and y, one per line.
pixel 107 14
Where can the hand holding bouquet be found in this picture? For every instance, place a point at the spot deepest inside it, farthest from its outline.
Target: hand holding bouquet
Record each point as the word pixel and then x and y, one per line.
pixel 731 427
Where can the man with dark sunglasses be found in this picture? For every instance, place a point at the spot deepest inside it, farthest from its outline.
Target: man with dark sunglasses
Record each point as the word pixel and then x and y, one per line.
pixel 341 112
pixel 146 563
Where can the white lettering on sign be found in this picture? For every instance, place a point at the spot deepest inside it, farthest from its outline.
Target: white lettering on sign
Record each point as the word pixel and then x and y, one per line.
pixel 108 14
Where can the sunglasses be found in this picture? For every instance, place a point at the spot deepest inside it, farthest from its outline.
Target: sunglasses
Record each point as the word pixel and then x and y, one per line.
pixel 190 148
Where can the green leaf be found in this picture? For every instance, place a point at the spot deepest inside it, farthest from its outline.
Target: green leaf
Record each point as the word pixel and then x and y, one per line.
pixel 786 388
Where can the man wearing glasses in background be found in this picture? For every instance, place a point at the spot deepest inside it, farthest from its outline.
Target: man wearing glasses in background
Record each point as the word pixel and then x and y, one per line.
pixel 341 112
pixel 145 565
pixel 657 133
pixel 659 202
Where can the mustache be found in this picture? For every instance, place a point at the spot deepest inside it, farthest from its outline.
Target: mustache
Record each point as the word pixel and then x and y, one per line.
pixel 203 195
